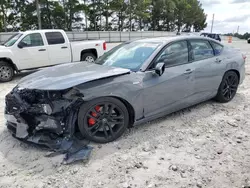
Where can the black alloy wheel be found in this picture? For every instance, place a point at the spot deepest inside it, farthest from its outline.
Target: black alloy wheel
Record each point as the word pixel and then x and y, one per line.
pixel 228 87
pixel 103 120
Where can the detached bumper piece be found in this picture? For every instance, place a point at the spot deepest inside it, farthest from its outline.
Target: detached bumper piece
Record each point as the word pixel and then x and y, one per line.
pixel 47 118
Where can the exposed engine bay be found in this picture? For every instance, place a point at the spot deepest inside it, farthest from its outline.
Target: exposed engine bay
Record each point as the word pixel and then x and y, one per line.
pixel 47 118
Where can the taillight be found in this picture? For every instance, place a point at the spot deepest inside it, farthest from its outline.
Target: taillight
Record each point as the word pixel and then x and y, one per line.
pixel 104 46
pixel 244 57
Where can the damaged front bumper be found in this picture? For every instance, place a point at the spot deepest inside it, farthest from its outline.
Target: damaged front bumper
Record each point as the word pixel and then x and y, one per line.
pixel 47 118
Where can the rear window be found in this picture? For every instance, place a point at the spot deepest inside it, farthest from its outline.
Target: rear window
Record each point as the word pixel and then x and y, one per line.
pixel 201 49
pixel 217 48
pixel 54 38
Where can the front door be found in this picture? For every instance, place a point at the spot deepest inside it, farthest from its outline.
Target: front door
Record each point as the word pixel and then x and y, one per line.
pixel 33 53
pixel 172 90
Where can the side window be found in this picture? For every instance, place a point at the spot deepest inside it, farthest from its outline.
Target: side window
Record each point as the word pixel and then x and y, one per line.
pixel 217 48
pixel 174 54
pixel 201 49
pixel 54 38
pixel 32 40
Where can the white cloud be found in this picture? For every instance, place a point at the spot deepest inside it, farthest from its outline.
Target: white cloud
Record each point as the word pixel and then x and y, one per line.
pixel 210 2
pixel 240 1
pixel 229 14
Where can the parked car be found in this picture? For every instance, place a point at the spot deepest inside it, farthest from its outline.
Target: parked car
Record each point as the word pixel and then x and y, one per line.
pixel 212 35
pixel 43 48
pixel 248 41
pixel 134 82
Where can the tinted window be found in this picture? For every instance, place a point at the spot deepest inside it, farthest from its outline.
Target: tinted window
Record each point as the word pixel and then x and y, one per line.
pixel 217 48
pixel 54 38
pixel 31 40
pixel 201 49
pixel 174 54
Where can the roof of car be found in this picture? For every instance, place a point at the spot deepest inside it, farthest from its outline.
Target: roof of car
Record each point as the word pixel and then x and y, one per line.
pixel 42 31
pixel 171 39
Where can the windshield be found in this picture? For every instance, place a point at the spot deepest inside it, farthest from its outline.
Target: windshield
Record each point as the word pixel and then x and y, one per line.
pixel 12 39
pixel 129 55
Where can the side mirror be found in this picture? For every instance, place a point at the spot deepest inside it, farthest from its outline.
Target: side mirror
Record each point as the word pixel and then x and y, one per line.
pixel 160 68
pixel 20 45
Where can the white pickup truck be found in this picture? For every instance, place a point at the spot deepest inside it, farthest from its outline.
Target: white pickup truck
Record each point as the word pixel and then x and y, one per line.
pixel 43 48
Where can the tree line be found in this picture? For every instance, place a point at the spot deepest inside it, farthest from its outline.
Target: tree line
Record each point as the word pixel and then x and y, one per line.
pixel 103 15
pixel 244 36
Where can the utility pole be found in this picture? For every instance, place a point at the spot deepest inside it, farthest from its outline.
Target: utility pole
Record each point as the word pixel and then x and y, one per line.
pixel 100 15
pixel 86 19
pixel 38 14
pixel 4 17
pixel 130 15
pixel 212 24
pixel 65 15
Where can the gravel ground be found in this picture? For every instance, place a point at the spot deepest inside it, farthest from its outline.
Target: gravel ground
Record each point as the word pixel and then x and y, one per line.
pixel 203 146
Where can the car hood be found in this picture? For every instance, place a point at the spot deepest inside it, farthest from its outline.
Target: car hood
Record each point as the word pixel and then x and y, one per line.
pixel 4 49
pixel 68 75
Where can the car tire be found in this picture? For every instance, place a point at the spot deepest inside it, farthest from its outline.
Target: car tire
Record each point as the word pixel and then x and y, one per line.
pixel 89 57
pixel 103 120
pixel 6 72
pixel 228 87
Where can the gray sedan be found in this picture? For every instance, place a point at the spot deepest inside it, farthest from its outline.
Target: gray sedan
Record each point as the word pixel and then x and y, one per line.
pixel 133 83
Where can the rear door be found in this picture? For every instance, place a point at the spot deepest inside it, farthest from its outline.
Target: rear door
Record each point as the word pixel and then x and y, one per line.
pixel 58 48
pixel 33 52
pixel 172 90
pixel 208 68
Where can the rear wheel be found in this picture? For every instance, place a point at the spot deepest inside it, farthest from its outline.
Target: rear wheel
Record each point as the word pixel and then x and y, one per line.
pixel 89 57
pixel 228 87
pixel 6 72
pixel 103 120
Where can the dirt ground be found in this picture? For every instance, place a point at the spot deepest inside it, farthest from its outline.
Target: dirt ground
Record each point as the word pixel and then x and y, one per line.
pixel 203 146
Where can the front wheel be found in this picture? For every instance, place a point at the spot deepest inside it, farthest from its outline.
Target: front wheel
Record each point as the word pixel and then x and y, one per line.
pixel 89 57
pixel 103 120
pixel 6 72
pixel 228 87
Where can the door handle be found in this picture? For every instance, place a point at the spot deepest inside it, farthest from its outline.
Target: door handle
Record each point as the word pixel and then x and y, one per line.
pixel 218 60
pixel 188 71
pixel 64 47
pixel 40 50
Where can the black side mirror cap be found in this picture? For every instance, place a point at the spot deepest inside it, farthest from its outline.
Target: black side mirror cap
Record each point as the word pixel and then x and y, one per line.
pixel 160 68
pixel 20 45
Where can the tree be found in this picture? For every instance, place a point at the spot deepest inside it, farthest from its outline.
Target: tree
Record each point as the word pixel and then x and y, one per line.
pixel 5 4
pixel 160 15
pixel 181 10
pixel 141 11
pixel 120 7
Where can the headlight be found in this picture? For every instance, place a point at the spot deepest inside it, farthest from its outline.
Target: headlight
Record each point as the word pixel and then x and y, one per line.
pixel 47 109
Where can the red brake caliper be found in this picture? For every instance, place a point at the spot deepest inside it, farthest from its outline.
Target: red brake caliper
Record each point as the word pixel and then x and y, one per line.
pixel 92 121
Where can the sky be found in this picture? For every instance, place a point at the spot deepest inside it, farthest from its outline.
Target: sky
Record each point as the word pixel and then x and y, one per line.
pixel 228 15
